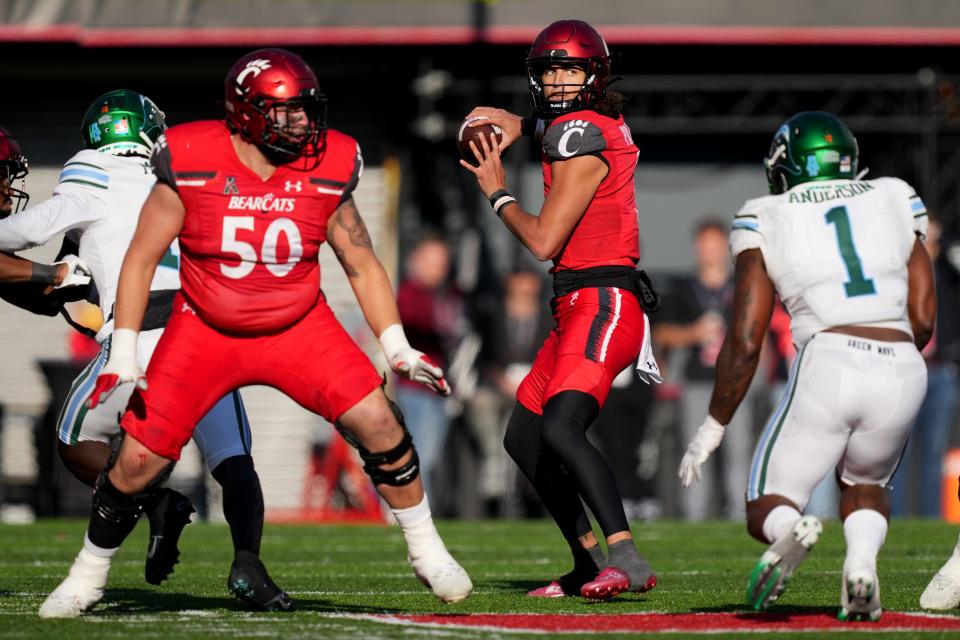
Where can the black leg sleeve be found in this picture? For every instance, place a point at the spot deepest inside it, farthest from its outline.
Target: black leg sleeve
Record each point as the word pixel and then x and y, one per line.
pixel 557 490
pixel 565 421
pixel 242 502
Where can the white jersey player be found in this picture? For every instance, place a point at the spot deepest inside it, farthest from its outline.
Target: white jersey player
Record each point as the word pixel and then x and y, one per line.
pixel 846 258
pixel 96 203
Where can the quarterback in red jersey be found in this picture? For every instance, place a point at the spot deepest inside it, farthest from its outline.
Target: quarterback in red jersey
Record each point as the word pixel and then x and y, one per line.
pixel 251 200
pixel 588 228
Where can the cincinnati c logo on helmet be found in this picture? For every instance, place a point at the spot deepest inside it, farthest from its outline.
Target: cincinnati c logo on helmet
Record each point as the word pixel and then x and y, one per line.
pixel 255 67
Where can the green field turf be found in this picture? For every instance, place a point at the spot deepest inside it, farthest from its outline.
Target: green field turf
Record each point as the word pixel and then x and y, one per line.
pixel 362 569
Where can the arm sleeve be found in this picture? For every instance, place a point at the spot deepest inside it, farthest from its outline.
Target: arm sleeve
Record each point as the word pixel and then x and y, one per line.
pixel 74 206
pixel 571 138
pixel 354 177
pixel 162 163
pixel 746 231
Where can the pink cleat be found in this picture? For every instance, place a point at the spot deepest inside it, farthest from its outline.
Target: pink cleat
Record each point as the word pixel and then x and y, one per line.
pixel 611 582
pixel 552 590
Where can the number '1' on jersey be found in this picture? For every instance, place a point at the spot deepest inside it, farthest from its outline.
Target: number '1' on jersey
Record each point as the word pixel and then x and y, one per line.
pixel 837 251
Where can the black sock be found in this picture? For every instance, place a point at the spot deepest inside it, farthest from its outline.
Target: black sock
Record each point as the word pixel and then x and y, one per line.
pixel 114 514
pixel 624 556
pixel 242 502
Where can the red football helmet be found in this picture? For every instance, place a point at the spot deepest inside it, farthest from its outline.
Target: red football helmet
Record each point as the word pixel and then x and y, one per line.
pixel 569 43
pixel 273 100
pixel 13 166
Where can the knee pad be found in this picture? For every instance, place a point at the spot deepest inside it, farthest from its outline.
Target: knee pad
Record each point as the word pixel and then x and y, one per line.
pixel 117 507
pixel 401 476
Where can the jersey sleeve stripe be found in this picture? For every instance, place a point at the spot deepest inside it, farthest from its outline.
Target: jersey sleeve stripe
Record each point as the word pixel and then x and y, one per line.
pixel 328 182
pixel 76 163
pixel 745 216
pixel 746 225
pixel 196 174
pixel 332 192
pixel 86 182
pixel 85 173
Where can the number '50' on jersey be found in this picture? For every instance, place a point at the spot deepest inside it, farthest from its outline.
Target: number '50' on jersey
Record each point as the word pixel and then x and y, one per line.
pixel 249 246
pixel 836 250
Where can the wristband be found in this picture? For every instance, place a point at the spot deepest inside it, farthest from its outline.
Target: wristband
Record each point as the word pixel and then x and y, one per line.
pixel 123 345
pixel 44 273
pixel 393 340
pixel 533 128
pixel 500 199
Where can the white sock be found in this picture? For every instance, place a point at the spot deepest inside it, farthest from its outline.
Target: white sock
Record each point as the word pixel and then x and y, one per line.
pixel 416 522
pixel 779 521
pixel 865 531
pixel 99 552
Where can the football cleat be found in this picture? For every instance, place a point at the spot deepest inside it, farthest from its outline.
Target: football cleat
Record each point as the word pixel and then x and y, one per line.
pixel 609 583
pixel 774 568
pixel 168 515
pixel 860 595
pixel 80 590
pixel 566 585
pixel 943 592
pixel 250 582
pixel 552 590
pixel 442 575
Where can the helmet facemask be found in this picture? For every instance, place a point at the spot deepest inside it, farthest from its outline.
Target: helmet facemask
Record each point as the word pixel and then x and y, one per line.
pixel 575 97
pixel 13 200
pixel 293 128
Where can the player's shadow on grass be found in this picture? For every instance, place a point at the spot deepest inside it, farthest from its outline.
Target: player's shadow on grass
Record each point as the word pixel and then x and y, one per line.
pixel 139 601
pixel 522 587
pixel 774 614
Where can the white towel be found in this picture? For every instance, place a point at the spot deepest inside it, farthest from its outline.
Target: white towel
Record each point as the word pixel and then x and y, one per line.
pixel 647 367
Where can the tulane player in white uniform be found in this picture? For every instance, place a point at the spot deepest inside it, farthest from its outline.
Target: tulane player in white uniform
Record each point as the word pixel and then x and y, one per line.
pixel 846 258
pixel 96 203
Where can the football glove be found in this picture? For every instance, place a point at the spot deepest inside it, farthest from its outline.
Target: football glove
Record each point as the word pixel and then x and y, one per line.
pixel 410 363
pixel 77 272
pixel 706 440
pixel 121 367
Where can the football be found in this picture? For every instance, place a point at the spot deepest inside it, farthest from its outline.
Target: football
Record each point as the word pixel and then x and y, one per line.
pixel 468 133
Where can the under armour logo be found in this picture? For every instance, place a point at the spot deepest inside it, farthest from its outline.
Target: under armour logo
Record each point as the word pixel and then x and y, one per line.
pixel 255 67
pixel 293 186
pixel 652 365
pixel 573 298
pixel 230 187
pixel 186 307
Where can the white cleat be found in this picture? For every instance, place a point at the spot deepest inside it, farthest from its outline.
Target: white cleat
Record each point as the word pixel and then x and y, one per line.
pixel 943 592
pixel 80 590
pixel 860 594
pixel 443 575
pixel 775 567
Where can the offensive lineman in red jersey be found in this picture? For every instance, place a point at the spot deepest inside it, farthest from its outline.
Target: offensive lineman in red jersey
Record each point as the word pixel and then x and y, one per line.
pixel 588 228
pixel 251 199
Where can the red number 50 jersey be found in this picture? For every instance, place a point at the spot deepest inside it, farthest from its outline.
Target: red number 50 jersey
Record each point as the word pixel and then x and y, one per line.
pixel 249 246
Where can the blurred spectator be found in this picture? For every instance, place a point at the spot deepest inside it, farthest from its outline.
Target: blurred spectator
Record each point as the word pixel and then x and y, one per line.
pixel 918 479
pixel 512 339
pixel 696 312
pixel 434 320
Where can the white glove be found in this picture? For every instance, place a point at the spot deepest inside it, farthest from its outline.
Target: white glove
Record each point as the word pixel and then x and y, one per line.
pixel 77 272
pixel 706 440
pixel 410 363
pixel 121 367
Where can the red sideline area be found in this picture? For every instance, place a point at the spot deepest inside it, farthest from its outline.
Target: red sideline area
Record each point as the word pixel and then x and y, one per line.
pixel 674 622
pixel 458 34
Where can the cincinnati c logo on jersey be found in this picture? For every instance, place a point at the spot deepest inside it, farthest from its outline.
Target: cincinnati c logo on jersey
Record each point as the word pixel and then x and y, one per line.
pixel 255 67
pixel 573 128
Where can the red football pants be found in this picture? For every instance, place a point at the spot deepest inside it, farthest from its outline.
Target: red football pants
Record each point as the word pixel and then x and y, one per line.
pixel 314 361
pixel 599 332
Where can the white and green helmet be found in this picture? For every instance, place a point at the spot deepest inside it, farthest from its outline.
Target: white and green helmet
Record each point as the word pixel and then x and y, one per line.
pixel 122 122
